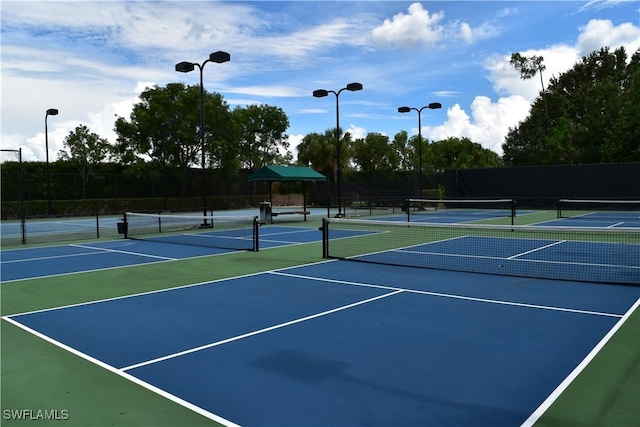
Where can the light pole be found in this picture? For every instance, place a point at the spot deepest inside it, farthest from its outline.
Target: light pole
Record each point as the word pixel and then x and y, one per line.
pixel 320 93
pixel 50 112
pixel 433 105
pixel 186 67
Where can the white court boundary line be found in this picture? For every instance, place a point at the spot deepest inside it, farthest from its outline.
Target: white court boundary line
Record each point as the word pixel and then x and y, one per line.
pixel 533 418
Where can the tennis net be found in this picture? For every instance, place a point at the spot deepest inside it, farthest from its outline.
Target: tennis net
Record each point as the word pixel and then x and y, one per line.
pixel 466 209
pixel 224 232
pixel 587 254
pixel 620 210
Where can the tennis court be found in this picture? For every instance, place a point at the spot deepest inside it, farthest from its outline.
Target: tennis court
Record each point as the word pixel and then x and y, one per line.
pixel 331 344
pixel 19 264
pixel 179 334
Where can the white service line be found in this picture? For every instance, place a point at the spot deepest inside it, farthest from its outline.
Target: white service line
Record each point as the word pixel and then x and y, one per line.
pixel 124 252
pixel 42 258
pixel 277 233
pixel 536 249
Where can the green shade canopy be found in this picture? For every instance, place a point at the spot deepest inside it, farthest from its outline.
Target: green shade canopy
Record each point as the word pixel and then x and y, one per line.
pixel 286 173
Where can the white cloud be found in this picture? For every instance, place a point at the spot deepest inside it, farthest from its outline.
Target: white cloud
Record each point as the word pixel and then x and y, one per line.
pixel 356 131
pixel 560 58
pixel 466 32
pixel 294 141
pixel 599 33
pixel 164 27
pixel 312 40
pixel 242 101
pixel 99 122
pixel 489 122
pixel 488 125
pixel 270 91
pixel 445 93
pixel 506 79
pixel 312 111
pixel 507 12
pixel 418 27
pixel 600 4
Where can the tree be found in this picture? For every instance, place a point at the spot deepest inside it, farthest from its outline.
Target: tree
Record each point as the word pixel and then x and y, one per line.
pixel 165 127
pixel 405 151
pixel 262 135
pixel 529 67
pixel 375 156
pixel 622 137
pixel 594 115
pixel 462 153
pixel 319 151
pixel 86 150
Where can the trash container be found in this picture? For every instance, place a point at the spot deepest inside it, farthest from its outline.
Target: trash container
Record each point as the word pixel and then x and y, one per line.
pixel 122 228
pixel 265 213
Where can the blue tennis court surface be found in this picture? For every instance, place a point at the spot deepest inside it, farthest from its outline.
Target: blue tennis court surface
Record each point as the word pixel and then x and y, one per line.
pixel 343 343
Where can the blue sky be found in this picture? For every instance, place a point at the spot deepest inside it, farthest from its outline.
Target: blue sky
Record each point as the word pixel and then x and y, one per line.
pixel 91 60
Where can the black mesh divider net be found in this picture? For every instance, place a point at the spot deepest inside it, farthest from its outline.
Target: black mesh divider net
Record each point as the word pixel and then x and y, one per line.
pixel 225 232
pixel 622 210
pixel 468 209
pixel 586 254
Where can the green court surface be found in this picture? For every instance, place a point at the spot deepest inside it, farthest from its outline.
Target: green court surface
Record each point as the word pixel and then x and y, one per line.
pixel 37 375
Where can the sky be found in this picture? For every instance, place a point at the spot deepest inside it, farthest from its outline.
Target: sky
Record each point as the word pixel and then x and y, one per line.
pixel 92 59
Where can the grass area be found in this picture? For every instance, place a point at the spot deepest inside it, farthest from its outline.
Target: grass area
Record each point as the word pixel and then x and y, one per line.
pixel 606 393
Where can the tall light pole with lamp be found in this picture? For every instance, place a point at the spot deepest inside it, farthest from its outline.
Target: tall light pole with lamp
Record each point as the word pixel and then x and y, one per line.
pixel 320 93
pixel 50 112
pixel 185 67
pixel 432 106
